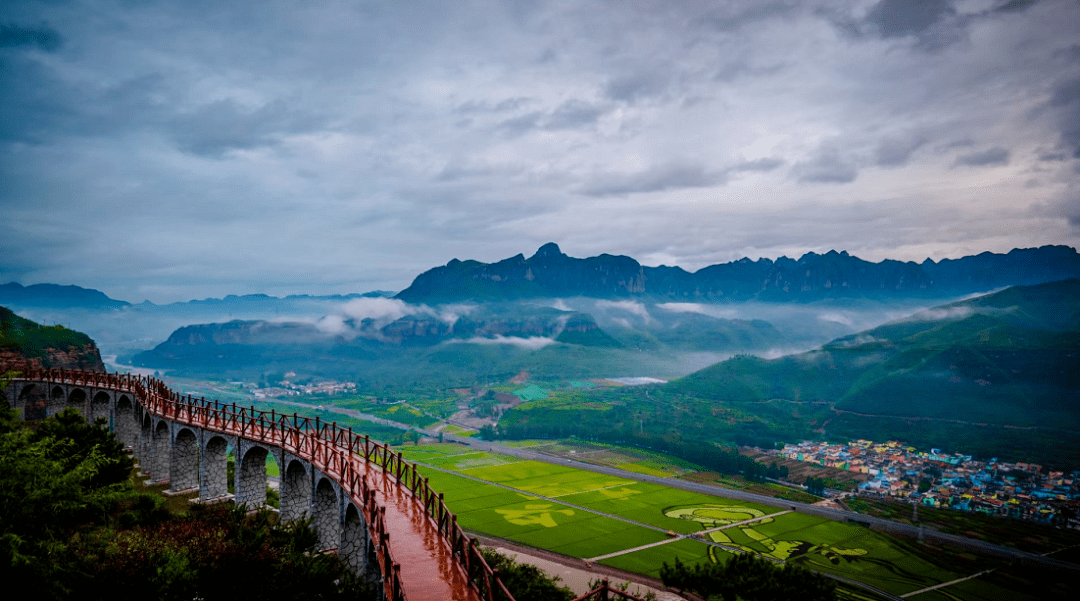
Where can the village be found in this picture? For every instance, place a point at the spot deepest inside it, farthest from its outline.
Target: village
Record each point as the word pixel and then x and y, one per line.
pixel 285 388
pixel 1018 490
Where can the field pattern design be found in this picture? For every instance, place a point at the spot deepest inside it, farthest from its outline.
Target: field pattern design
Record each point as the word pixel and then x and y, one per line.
pixel 520 515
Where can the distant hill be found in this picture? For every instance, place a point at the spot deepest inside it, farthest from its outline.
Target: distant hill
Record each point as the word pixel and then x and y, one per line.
pixel 55 296
pixel 24 343
pixel 1009 359
pixel 551 273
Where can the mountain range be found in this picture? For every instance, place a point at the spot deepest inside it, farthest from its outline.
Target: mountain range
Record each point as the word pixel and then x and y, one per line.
pixel 552 274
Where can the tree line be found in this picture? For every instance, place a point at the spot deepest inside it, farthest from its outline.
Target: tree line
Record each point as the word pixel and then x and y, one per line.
pixel 749 578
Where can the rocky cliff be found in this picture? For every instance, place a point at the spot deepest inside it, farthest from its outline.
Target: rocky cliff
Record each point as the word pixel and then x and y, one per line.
pixel 25 344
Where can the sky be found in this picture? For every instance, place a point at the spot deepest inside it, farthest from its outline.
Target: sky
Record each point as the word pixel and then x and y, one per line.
pixel 178 150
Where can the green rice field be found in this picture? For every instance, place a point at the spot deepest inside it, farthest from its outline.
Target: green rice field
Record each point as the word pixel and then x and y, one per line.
pixel 648 561
pixel 563 522
pixel 536 522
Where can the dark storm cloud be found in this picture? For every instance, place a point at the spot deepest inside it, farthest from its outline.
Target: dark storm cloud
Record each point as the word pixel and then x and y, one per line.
pixel 41 36
pixel 570 114
pixel 934 24
pixel 895 152
pixel 352 146
pixel 759 165
pixel 573 114
pixel 222 126
pixel 898 18
pixel 1066 103
pixel 827 166
pixel 983 158
pixel 663 177
pixel 674 176
pixel 638 85
pixel 41 106
pixel 1016 5
pixel 731 19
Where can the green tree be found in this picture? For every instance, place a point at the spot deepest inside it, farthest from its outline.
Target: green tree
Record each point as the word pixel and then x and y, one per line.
pixel 750 578
pixel 526 582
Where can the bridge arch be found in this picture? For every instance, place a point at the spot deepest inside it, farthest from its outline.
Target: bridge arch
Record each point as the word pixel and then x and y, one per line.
pixel 356 543
pixel 213 470
pixel 34 403
pixel 99 406
pixel 251 477
pixel 125 422
pixel 57 402
pixel 160 470
pixel 326 514
pixel 145 451
pixel 77 401
pixel 295 490
pixel 184 471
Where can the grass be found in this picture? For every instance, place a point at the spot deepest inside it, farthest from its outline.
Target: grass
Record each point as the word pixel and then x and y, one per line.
pixel 648 561
pixel 458 430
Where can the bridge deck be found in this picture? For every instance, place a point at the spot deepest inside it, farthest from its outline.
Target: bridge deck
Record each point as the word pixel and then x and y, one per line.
pixel 431 573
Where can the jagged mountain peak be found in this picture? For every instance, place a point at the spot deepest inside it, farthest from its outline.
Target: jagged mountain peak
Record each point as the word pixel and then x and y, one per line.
pixel 551 273
pixel 548 250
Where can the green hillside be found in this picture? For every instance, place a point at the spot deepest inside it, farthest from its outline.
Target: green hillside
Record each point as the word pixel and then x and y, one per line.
pixel 1008 358
pixel 997 375
pixel 33 340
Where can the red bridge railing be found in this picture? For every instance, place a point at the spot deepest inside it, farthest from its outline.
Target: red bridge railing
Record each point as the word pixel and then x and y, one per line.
pixel 338 452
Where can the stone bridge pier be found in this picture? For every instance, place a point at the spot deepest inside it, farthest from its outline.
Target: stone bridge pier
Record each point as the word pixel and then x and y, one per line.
pixel 191 458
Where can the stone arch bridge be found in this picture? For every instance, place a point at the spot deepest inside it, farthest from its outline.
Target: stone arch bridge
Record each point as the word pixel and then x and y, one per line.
pixel 367 504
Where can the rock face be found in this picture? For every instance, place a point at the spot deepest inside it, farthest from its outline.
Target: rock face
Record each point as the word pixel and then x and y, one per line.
pixel 86 358
pixel 551 273
pixel 25 344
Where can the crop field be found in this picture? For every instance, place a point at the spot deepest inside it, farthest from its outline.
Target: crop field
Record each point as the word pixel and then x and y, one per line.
pixel 564 523
pixel 661 506
pixel 846 550
pixel 630 459
pixel 536 522
pixel 461 458
pixel 648 561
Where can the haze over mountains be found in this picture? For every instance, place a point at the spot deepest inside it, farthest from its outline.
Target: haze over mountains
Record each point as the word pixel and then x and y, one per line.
pixel 807 332
pixel 609 303
pixel 996 375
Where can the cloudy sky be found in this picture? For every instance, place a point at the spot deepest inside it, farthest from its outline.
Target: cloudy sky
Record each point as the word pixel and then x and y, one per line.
pixel 176 150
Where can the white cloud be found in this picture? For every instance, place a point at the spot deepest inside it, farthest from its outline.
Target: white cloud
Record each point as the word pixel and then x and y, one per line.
pixel 702 309
pixel 956 313
pixel 531 343
pixel 632 307
pixel 561 305
pixel 380 309
pixel 836 317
